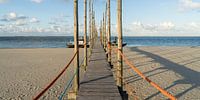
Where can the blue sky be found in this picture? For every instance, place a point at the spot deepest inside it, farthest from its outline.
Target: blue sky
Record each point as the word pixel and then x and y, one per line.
pixel 140 17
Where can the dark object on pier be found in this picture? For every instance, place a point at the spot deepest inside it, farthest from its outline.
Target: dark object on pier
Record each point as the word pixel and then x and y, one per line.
pixel 80 41
pixel 114 43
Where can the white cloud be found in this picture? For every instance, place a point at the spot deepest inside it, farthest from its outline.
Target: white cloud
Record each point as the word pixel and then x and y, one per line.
pixel 189 5
pixel 37 1
pixel 20 22
pixel 34 20
pixel 166 28
pixel 12 16
pixel 194 25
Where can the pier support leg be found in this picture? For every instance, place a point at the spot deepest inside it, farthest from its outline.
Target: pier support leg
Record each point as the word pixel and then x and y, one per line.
pixel 76 50
pixel 71 95
pixel 85 35
pixel 119 30
pixel 109 34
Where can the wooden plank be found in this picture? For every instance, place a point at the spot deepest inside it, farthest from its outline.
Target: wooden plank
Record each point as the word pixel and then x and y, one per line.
pixel 98 82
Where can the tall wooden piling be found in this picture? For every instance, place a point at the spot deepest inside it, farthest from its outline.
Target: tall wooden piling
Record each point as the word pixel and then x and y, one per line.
pixel 109 33
pixel 85 34
pixel 90 29
pixel 120 48
pixel 100 30
pixel 72 94
pixel 93 26
pixel 105 29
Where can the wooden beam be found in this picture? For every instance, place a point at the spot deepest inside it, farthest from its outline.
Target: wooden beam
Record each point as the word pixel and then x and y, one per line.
pixel 109 33
pixel 90 28
pixel 120 48
pixel 76 34
pixel 100 30
pixel 85 34
pixel 73 94
pixel 105 29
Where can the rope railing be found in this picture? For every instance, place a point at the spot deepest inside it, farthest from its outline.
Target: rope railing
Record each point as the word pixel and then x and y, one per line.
pixel 58 76
pixel 164 92
pixel 69 84
pixel 55 79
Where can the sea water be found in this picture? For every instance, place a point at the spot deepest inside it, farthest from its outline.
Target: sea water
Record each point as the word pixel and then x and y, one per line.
pixel 61 41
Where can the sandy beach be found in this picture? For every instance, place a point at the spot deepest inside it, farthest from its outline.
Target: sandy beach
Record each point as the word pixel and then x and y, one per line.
pixel 25 72
pixel 175 69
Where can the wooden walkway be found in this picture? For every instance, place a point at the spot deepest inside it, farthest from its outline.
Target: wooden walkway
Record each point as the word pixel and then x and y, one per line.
pixel 98 82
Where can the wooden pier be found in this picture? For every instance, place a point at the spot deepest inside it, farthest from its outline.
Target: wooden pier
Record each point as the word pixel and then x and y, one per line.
pixel 98 82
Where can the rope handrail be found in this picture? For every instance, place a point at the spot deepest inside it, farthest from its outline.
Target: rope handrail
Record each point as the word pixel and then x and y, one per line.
pixel 67 86
pixel 164 92
pixel 69 83
pixel 55 79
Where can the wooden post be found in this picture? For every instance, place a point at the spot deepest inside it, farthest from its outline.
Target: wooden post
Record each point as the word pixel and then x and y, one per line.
pixel 92 26
pixel 105 30
pixel 85 34
pixel 73 93
pixel 119 30
pixel 100 30
pixel 90 29
pixel 109 34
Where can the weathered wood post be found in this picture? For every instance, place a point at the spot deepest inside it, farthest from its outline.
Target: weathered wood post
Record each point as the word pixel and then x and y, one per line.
pixel 73 94
pixel 76 49
pixel 93 26
pixel 109 34
pixel 85 34
pixel 101 31
pixel 90 29
pixel 119 30
pixel 105 30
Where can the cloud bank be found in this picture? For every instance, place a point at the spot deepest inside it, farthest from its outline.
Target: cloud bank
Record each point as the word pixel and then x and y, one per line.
pixel 186 5
pixel 166 28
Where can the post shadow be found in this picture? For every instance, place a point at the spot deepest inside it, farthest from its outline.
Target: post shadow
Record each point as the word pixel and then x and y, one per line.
pixel 186 73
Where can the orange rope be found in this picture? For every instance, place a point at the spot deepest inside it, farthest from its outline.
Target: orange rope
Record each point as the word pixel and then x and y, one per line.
pixel 55 79
pixel 164 92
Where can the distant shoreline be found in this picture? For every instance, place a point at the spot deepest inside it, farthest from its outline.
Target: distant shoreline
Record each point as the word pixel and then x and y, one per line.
pixel 61 41
pixel 124 47
pixel 111 36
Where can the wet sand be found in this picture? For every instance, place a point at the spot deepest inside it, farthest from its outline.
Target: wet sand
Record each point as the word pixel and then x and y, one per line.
pixel 176 69
pixel 25 72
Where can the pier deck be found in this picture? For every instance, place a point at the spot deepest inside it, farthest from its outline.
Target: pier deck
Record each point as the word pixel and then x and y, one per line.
pixel 98 82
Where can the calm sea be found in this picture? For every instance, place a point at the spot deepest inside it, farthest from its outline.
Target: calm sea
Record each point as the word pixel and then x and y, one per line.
pixel 60 41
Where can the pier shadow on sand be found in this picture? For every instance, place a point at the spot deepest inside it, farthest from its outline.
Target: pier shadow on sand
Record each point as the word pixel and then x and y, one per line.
pixel 189 76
